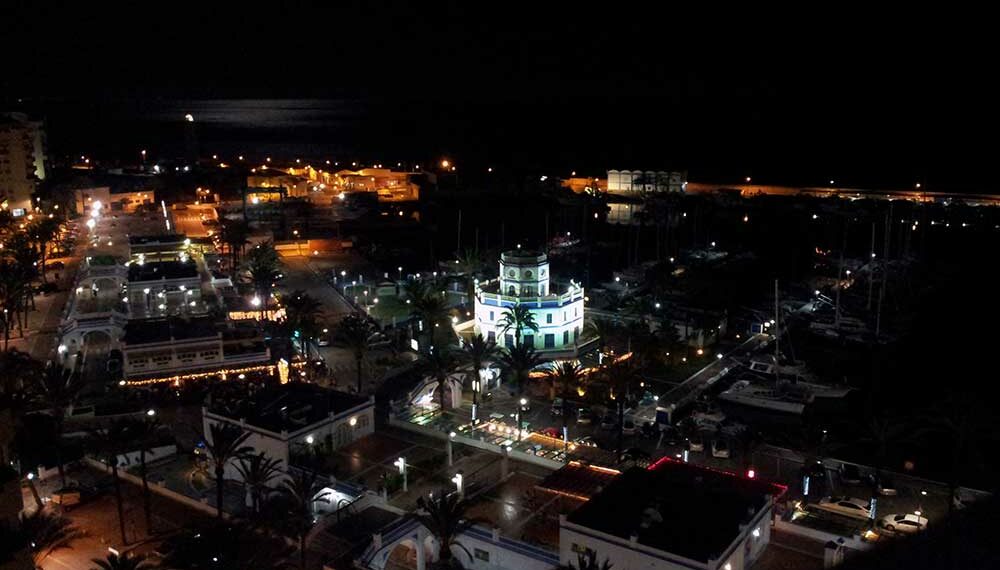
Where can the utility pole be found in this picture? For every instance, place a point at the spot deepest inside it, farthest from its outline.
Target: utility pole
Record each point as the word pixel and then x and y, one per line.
pixel 871 268
pixel 840 278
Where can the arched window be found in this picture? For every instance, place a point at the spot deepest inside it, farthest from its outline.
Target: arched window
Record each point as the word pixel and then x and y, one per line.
pixel 510 291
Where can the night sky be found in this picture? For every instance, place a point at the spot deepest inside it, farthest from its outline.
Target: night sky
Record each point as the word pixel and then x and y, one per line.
pixel 868 103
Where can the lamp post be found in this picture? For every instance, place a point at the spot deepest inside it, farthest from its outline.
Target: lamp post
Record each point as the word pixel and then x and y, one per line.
pixel 522 403
pixel 401 464
pixel 451 437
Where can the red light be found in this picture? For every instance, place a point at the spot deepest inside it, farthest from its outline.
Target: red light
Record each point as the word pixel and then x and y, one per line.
pixel 751 473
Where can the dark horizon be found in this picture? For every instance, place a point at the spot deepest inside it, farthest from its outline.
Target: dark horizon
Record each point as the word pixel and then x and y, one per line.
pixel 863 104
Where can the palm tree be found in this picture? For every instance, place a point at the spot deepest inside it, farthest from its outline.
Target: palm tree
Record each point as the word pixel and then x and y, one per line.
pixel 568 376
pixel 477 351
pixel 299 493
pixel 58 389
pixel 519 318
pixel 110 443
pixel 602 329
pixel 257 471
pixel 44 232
pixel 234 235
pixel 144 431
pixel 227 546
pixel 124 561
pixel 46 532
pixel 301 314
pixel 356 330
pixel 588 561
pixel 439 364
pixel 444 518
pixel 432 311
pixel 622 376
pixel 517 364
pixel 226 445
pixel 261 266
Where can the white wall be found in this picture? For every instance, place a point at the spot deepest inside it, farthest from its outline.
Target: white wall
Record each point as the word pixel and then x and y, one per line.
pixel 280 445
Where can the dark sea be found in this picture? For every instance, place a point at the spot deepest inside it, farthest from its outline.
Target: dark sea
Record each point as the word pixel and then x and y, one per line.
pixel 715 137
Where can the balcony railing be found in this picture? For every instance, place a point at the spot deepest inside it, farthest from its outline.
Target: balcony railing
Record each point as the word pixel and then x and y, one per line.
pixel 573 294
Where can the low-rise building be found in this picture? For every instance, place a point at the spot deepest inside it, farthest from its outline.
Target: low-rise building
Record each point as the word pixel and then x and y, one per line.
pixel 636 181
pixel 293 419
pixel 162 288
pixel 120 198
pixel 525 280
pixel 672 516
pixel 175 346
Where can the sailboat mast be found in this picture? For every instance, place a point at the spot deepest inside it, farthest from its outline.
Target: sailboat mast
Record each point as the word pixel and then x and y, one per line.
pixel 777 323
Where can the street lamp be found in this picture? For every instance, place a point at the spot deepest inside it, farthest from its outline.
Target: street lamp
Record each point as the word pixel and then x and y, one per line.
pixel 401 464
pixel 523 402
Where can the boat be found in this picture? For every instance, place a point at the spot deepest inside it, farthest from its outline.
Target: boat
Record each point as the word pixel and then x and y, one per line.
pixel 783 398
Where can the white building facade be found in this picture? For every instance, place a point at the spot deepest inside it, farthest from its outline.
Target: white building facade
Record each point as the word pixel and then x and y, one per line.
pixel 635 181
pixel 525 280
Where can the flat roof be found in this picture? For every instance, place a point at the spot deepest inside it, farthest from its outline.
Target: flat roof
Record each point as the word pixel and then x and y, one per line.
pixel 676 507
pixel 288 407
pixel 578 481
pixel 156 270
pixel 162 238
pixel 147 331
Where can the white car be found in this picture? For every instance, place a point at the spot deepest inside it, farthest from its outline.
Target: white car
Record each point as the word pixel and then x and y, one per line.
pixel 720 448
pixel 903 524
pixel 847 506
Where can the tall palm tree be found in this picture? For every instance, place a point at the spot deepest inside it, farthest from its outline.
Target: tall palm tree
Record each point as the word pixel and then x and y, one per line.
pixel 301 314
pixel 58 389
pixel 234 236
pixel 623 377
pixel 226 445
pixel 144 433
pixel 444 517
pixel 356 330
pixel 603 330
pixel 568 376
pixel 44 232
pixel 261 267
pixel 46 532
pixel 432 311
pixel 517 364
pixel 439 364
pixel 299 492
pixel 124 561
pixel 257 471
pixel 110 442
pixel 519 318
pixel 477 351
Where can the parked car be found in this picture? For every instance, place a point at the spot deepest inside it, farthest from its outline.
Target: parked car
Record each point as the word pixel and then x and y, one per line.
pixel 636 454
pixel 585 441
pixel 720 448
pixel 850 474
pixel 847 506
pixel 886 487
pixel 696 443
pixel 903 524
pixel 609 422
pixel 628 427
pixel 55 265
pixel 551 432
pixel 584 416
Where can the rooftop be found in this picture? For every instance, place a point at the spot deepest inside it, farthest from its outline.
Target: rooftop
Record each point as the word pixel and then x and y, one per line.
pixel 522 256
pixel 288 407
pixel 164 238
pixel 578 481
pixel 147 331
pixel 156 270
pixel 676 507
